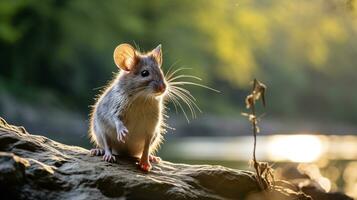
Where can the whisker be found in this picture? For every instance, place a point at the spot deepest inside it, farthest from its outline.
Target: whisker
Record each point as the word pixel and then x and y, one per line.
pixel 178 95
pixel 98 88
pixel 174 98
pixel 185 91
pixel 171 67
pixel 136 90
pixel 192 83
pixel 136 46
pixel 191 103
pixel 136 93
pixel 170 98
pixel 184 76
pixel 176 71
pixel 186 100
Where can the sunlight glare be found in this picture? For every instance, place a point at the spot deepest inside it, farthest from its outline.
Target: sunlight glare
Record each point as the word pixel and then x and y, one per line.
pixel 295 148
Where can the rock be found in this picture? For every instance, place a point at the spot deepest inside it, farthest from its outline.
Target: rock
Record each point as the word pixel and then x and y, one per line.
pixel 321 195
pixel 35 167
pixel 307 178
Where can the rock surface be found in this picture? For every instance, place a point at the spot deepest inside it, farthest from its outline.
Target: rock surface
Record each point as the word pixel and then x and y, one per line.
pixel 35 167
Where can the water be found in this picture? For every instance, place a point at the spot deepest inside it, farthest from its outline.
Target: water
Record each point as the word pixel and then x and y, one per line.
pixel 276 148
pixel 330 160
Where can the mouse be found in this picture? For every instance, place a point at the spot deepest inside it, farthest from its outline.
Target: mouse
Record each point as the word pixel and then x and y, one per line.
pixel 128 116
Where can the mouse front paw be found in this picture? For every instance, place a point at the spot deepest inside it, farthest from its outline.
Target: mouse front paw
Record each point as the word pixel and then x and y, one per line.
pixel 97 152
pixel 122 131
pixel 109 158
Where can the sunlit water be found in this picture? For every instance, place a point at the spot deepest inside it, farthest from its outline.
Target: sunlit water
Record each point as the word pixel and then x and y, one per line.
pixel 329 160
pixel 294 148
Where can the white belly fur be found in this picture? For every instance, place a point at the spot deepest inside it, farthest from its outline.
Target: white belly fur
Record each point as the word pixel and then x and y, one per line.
pixel 141 119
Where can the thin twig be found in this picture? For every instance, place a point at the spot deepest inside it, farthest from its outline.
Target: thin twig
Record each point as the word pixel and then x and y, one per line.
pixel 264 175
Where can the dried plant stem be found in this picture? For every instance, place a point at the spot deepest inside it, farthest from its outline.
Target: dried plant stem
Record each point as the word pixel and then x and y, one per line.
pixel 254 125
pixel 264 175
pixel 260 180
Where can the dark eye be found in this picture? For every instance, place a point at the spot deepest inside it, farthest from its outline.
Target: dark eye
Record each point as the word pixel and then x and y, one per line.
pixel 145 73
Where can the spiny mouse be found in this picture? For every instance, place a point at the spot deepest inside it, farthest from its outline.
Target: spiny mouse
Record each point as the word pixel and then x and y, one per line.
pixel 127 118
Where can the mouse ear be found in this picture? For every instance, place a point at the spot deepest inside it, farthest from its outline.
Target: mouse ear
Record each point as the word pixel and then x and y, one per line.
pixel 125 57
pixel 157 53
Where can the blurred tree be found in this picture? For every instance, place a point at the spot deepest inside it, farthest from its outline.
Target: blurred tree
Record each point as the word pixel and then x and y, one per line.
pixel 304 50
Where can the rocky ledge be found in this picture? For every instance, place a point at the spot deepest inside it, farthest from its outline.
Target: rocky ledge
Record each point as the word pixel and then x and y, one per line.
pixel 35 167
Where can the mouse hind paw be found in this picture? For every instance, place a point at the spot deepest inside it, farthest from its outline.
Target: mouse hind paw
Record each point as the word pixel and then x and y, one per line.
pixel 97 152
pixel 145 166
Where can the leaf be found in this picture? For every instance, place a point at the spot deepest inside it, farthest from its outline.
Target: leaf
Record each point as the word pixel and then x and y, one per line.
pixel 259 91
pixel 249 101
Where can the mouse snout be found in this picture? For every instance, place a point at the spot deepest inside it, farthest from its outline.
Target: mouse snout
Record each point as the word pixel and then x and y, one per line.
pixel 160 86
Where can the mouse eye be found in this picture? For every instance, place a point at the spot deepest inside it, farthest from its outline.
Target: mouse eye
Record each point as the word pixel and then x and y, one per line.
pixel 145 73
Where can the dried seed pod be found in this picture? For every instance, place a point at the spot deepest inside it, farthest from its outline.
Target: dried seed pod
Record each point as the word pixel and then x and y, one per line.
pixel 249 101
pixel 259 91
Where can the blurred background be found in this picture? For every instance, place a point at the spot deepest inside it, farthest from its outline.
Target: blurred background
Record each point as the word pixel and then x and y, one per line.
pixel 55 55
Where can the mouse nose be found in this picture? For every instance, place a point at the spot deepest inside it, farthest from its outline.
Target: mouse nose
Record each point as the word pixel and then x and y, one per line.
pixel 161 87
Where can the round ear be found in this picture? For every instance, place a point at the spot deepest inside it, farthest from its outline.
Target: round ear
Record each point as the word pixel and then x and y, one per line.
pixel 157 53
pixel 125 57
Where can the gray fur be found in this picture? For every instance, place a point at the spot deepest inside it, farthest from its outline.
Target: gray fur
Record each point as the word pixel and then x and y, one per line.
pixel 130 102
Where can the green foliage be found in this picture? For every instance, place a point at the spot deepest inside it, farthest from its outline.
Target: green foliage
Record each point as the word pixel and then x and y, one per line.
pixel 305 51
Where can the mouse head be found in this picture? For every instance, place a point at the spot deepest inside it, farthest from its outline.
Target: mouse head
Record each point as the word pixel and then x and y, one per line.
pixel 141 73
